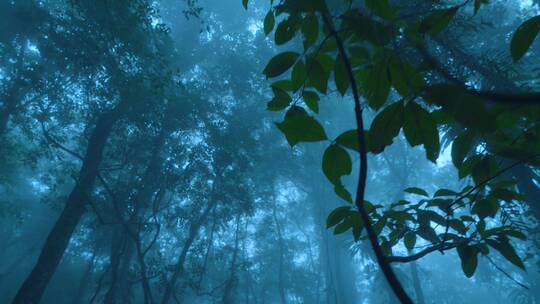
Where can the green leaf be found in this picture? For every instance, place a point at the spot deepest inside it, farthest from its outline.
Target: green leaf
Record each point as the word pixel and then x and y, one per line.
pixel 349 139
pixel 427 216
pixel 368 29
pixel 310 30
pixel 311 99
pixel 444 192
pixel 280 63
pixel 326 61
pixel 461 147
pixel 286 30
pixel 337 215
pixel 317 75
pixel 486 208
pixel 428 234
pixel 359 55
pixel 462 106
pixel 381 8
pixel 280 101
pixel 298 75
pixel 336 163
pixel 503 246
pixel 386 125
pixel 524 37
pixel 420 128
pixel 343 193
pixel 358 225
pixel 245 3
pixel 516 234
pixel 469 259
pixel 437 21
pixel 484 169
pixel 410 240
pixel 284 84
pixel 377 85
pixel 269 23
pixel 300 127
pixel 458 226
pixel 468 164
pixel 400 216
pixel 416 190
pixel 342 227
pixel 341 76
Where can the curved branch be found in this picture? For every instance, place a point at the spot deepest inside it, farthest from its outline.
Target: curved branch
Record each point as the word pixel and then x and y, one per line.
pixel 391 277
pixel 422 253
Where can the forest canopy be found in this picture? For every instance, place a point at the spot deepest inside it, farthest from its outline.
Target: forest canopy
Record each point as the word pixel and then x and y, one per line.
pixel 254 151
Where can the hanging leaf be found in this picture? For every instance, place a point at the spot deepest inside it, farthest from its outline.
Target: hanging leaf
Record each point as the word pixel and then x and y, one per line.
pixel 444 192
pixel 317 75
pixel 386 125
pixel 337 215
pixel 245 3
pixel 349 139
pixel 437 21
pixel 286 30
pixel 311 99
pixel 310 30
pixel 469 259
pixel 343 193
pixel 461 146
pixel 300 127
pixel 269 22
pixel 280 101
pixel 336 163
pixel 280 63
pixel 381 8
pixel 524 37
pixel 340 75
pixel 377 85
pixel 503 246
pixel 298 75
pixel 416 190
pixel 410 240
pixel 420 128
pixel 486 208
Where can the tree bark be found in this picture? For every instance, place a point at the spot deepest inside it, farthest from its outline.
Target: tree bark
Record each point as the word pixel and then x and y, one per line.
pixel 179 266
pixel 231 281
pixel 57 241
pixel 281 282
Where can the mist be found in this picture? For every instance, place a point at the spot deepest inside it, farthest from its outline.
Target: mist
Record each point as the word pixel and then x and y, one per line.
pixel 205 151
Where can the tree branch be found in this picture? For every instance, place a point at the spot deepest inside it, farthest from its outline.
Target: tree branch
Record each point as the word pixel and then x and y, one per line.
pixel 391 277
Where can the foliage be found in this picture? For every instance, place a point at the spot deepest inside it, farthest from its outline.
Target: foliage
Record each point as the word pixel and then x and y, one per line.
pixel 388 55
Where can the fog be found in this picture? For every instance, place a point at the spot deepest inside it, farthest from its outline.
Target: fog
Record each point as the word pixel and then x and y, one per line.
pixel 140 162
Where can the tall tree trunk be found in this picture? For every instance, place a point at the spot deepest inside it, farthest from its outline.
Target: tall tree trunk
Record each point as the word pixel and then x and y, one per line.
pixel 34 286
pixel 118 250
pixel 281 280
pixel 179 266
pixel 85 279
pixel 129 234
pixel 231 281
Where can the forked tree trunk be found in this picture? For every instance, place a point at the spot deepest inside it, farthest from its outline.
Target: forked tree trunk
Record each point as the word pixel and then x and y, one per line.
pixel 179 266
pixel 231 281
pixel 57 241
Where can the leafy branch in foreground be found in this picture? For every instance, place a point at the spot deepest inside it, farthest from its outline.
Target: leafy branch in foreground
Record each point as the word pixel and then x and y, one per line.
pixel 363 49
